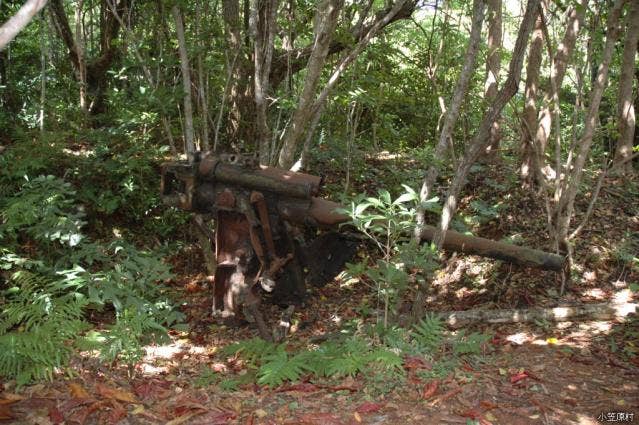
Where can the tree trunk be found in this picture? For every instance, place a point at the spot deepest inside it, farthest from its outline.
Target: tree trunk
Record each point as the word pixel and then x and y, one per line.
pixel 481 139
pixel 493 63
pixel 43 71
pixel 325 22
pixel 529 119
pixel 625 107
pixel 264 27
pixel 201 86
pixel 189 144
pixel 574 21
pixel 565 206
pixel 453 112
pixel 240 126
pixel 17 22
pixel 320 104
pixel 93 72
pixel 82 65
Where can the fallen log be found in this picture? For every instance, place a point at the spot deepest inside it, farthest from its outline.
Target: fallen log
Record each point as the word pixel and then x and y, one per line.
pixel 603 311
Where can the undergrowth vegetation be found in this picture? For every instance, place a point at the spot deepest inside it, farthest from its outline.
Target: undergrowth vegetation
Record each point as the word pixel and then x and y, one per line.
pixel 54 275
pixel 372 352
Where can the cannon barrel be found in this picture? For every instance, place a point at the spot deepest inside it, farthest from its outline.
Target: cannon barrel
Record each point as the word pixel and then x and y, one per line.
pixel 281 182
pixel 325 214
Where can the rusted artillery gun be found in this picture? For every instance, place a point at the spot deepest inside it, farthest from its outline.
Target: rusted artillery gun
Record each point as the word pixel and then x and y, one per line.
pixel 261 214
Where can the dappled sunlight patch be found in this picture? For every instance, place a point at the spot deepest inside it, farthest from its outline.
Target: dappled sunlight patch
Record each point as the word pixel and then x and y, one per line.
pixel 520 338
pixel 623 296
pixel 150 370
pixel 595 293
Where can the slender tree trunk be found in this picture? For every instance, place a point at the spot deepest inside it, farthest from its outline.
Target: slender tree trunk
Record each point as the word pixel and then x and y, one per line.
pixel 264 27
pixel 493 64
pixel 82 65
pixel 529 119
pixel 481 139
pixel 453 112
pixel 91 74
pixel 201 88
pixel 565 206
pixel 43 71
pixel 17 22
pixel 574 22
pixel 325 22
pixel 189 144
pixel 320 104
pixel 241 103
pixel 625 107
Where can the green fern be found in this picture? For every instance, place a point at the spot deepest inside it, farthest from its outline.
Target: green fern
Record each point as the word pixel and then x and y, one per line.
pixel 37 322
pixel 253 350
pixel 428 333
pixel 279 367
pixel 469 344
pixel 385 358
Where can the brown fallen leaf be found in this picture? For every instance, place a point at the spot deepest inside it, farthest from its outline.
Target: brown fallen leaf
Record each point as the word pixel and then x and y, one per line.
pixel 5 412
pixel 430 389
pixel 414 362
pixel 368 407
pixel 487 405
pixel 184 418
pixel 118 412
pixel 319 419
pixel 55 416
pixel 10 398
pixel 446 396
pixel 215 418
pixel 115 394
pixel 78 391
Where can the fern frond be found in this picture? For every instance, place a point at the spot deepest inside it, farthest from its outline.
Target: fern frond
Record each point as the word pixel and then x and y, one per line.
pixel 252 349
pixel 279 367
pixel 428 333
pixel 385 358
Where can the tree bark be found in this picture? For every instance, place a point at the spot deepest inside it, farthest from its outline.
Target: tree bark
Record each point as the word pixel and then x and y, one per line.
pixel 240 127
pixel 625 107
pixel 325 23
pixel 17 22
pixel 529 119
pixel 453 112
pixel 493 64
pixel 109 52
pixel 481 139
pixel 264 27
pixel 189 143
pixel 565 206
pixel 320 104
pixel 290 62
pixel 574 22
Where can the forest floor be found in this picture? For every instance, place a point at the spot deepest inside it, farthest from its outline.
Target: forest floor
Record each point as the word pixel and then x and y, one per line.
pixel 528 373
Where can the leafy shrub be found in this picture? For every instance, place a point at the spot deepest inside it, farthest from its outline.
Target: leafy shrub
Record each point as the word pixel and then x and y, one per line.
pixel 388 223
